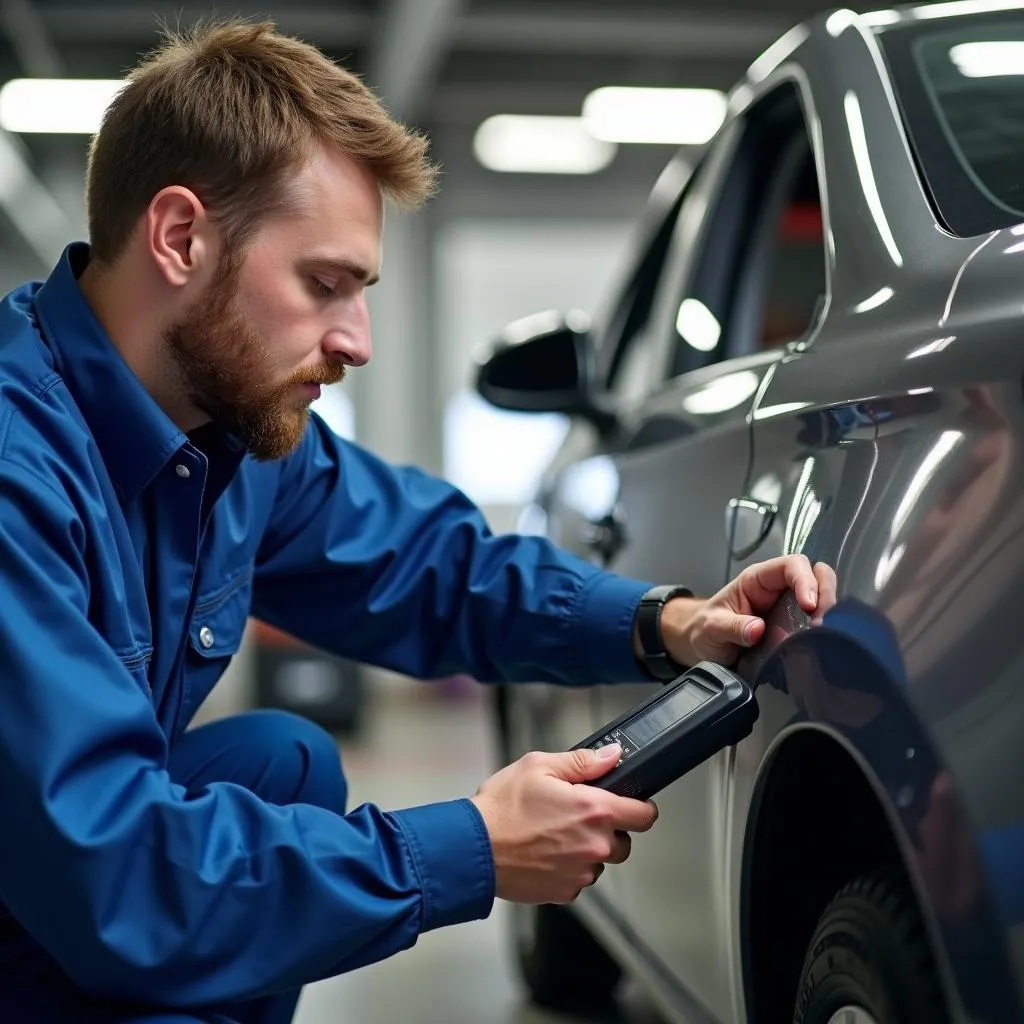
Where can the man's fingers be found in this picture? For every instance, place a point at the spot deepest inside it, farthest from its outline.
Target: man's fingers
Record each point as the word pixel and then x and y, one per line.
pixel 827 590
pixel 748 631
pixel 621 845
pixel 802 581
pixel 634 815
pixel 580 765
pixel 815 587
pixel 764 582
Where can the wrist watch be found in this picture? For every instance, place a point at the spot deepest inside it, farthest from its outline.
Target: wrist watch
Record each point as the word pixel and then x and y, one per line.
pixel 655 659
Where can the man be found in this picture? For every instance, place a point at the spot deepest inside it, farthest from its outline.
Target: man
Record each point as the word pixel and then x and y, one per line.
pixel 161 481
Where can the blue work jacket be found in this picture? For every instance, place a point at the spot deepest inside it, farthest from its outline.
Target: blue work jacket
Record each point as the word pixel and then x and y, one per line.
pixel 131 557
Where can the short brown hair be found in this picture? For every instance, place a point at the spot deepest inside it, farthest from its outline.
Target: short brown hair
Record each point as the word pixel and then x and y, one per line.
pixel 227 110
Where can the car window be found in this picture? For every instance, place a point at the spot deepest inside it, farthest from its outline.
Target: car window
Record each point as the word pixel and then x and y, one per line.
pixel 623 344
pixel 760 276
pixel 960 86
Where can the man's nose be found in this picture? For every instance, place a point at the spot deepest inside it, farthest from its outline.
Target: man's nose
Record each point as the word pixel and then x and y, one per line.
pixel 353 348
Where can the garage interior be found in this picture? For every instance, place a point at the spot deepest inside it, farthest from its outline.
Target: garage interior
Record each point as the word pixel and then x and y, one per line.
pixel 494 246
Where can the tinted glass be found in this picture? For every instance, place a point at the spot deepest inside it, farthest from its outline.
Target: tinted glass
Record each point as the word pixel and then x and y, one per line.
pixel 961 88
pixel 627 330
pixel 761 272
pixel 796 265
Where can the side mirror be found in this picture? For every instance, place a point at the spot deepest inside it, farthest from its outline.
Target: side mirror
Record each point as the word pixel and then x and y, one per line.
pixel 544 363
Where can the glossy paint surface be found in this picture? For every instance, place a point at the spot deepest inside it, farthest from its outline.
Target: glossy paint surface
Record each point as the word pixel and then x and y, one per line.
pixel 887 441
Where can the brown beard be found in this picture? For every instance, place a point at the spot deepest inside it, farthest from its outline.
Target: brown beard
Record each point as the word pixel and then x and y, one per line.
pixel 222 366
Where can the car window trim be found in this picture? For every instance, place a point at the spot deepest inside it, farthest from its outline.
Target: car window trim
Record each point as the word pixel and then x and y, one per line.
pixel 686 239
pixel 752 95
pixel 614 335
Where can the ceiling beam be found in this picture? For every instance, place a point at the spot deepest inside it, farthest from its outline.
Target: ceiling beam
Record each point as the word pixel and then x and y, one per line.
pixel 411 25
pixel 30 39
pixel 136 24
pixel 680 35
pixel 414 36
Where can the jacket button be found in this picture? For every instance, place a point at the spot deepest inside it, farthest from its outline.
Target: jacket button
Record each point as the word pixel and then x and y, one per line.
pixel 182 471
pixel 206 637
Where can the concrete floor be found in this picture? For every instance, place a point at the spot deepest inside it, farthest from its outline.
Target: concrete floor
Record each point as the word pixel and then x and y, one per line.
pixel 419 747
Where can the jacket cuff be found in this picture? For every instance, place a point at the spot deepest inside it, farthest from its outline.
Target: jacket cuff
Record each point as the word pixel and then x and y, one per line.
pixel 605 629
pixel 451 852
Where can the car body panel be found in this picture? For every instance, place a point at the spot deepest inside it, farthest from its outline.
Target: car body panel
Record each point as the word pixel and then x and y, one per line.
pixel 662 519
pixel 885 440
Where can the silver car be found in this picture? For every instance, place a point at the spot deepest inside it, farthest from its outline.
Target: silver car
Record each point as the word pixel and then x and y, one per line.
pixel 817 347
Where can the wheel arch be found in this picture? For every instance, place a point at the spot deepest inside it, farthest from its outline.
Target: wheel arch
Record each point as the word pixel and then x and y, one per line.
pixel 785 851
pixel 827 803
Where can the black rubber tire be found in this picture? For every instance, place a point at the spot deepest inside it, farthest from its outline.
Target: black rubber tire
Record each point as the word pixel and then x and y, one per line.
pixel 870 950
pixel 564 967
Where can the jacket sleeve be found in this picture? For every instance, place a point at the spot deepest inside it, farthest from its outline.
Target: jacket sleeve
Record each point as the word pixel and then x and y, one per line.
pixel 140 891
pixel 394 567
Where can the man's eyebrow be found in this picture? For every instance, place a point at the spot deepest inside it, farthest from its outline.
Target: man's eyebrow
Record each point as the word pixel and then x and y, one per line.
pixel 345 265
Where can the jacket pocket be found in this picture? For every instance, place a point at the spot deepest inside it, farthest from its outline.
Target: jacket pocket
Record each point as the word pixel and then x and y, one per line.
pixel 220 617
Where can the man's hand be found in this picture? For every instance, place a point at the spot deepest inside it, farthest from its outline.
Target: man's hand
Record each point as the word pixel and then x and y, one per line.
pixel 718 628
pixel 552 838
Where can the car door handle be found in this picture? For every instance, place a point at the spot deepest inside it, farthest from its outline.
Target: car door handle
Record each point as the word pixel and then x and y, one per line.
pixel 747 522
pixel 605 537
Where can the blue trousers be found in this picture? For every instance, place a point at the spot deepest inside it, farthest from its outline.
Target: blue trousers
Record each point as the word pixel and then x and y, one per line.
pixel 283 759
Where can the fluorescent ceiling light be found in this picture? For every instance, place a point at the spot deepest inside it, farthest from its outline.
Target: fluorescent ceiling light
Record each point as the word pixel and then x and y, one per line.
pixel 679 117
pixel 987 60
pixel 540 145
pixel 698 326
pixel 56 105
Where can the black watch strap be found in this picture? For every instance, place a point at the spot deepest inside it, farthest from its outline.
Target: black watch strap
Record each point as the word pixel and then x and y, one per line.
pixel 655 659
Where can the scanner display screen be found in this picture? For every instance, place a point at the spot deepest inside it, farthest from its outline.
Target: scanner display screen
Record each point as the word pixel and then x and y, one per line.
pixel 664 713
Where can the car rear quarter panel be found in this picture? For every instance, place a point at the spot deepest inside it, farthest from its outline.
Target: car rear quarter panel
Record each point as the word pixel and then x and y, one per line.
pixel 923 519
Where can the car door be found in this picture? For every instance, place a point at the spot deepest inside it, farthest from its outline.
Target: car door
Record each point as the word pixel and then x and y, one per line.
pixel 679 473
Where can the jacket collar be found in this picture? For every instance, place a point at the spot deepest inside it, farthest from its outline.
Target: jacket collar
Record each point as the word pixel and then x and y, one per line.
pixel 135 436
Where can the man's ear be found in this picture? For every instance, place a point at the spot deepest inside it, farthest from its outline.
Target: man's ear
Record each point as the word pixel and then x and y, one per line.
pixel 177 235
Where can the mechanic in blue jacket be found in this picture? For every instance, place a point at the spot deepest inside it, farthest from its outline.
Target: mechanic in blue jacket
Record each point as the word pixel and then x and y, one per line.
pixel 161 481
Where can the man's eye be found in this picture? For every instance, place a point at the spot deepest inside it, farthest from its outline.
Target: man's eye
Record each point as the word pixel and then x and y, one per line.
pixel 325 291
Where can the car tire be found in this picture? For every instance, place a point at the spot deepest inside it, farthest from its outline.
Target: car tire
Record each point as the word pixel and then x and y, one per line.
pixel 564 967
pixel 870 957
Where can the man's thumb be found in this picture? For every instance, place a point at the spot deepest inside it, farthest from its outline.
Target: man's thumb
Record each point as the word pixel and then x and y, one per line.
pixel 749 630
pixel 583 764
